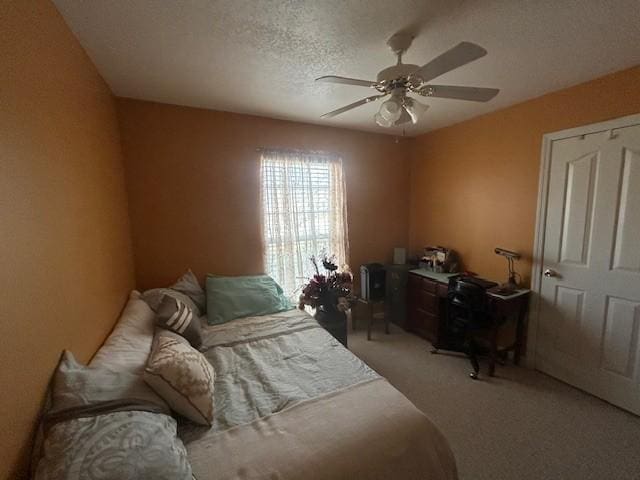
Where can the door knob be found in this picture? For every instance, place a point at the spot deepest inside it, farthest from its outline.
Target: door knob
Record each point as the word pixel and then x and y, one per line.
pixel 550 273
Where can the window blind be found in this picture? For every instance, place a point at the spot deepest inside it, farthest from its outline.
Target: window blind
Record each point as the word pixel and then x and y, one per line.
pixel 304 213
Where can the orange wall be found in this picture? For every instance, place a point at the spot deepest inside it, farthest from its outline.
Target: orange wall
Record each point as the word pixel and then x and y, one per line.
pixel 474 185
pixel 193 184
pixel 66 256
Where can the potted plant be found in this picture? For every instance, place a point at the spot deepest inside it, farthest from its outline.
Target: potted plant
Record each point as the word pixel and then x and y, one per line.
pixel 330 294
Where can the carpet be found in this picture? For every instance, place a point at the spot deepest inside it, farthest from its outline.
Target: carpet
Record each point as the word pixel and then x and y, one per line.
pixel 520 424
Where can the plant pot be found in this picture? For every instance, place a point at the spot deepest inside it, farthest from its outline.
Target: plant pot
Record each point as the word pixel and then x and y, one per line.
pixel 334 322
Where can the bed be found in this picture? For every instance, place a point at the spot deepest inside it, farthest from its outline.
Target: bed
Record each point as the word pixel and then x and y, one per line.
pixel 292 402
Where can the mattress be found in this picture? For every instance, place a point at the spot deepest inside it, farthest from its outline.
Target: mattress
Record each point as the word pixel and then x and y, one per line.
pixel 292 402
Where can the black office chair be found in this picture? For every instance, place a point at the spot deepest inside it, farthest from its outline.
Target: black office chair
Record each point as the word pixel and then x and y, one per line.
pixel 467 316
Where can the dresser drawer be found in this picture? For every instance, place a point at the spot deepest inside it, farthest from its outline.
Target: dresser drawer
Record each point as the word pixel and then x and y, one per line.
pixel 429 285
pixel 431 324
pixel 428 302
pixel 414 285
pixel 424 324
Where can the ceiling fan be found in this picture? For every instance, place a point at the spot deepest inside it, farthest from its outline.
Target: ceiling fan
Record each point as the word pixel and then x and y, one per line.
pixel 403 78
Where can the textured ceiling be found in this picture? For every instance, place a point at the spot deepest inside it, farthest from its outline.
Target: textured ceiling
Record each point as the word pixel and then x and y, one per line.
pixel 261 57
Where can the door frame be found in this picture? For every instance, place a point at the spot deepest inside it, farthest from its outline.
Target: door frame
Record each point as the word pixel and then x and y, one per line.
pixel 541 216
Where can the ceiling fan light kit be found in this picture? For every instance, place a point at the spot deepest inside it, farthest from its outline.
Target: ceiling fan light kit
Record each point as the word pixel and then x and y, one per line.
pixel 391 109
pixel 414 108
pixel 381 121
pixel 401 79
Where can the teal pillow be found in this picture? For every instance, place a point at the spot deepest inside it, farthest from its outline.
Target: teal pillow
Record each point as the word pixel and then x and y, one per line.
pixel 235 297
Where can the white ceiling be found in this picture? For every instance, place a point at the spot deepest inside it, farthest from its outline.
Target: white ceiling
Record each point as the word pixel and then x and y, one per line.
pixel 261 57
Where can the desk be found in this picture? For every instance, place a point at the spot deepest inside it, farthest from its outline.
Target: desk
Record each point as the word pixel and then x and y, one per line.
pixel 502 308
pixel 427 312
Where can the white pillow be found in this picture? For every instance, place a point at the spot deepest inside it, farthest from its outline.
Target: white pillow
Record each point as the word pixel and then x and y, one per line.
pixel 76 386
pixel 127 347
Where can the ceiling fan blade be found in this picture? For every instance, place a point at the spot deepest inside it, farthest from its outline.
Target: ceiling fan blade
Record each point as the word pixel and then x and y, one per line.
pixel 346 81
pixel 351 105
pixel 459 55
pixel 473 94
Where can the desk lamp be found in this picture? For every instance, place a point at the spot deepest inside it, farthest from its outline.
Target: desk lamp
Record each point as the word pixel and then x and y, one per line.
pixel 510 256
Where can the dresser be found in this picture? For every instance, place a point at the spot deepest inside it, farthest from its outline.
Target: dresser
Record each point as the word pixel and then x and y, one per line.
pixel 427 302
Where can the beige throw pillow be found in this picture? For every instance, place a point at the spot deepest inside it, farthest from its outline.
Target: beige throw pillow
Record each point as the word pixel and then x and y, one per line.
pixel 182 376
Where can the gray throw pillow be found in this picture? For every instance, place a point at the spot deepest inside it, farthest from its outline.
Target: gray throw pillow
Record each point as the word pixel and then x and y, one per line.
pixel 189 285
pixel 186 289
pixel 178 317
pixel 154 297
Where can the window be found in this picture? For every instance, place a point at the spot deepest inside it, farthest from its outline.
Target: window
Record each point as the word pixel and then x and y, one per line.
pixel 304 213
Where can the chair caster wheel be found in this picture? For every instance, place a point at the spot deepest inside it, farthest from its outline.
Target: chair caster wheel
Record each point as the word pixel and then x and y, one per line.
pixel 473 375
pixel 434 351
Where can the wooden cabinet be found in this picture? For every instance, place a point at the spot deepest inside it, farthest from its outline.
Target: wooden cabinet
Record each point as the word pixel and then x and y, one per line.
pixel 426 304
pixel 396 294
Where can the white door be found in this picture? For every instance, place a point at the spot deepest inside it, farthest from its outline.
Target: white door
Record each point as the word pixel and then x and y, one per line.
pixel 589 315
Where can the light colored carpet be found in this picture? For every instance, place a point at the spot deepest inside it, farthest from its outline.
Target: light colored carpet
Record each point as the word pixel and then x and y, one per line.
pixel 521 424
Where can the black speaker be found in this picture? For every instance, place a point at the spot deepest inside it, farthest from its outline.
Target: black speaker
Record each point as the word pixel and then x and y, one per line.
pixel 372 277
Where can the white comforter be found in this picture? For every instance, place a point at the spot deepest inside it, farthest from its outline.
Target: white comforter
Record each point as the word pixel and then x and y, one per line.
pixel 292 402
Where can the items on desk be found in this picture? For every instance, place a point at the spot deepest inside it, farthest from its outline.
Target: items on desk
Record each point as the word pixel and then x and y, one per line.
pixel 473 280
pixel 399 256
pixel 511 285
pixel 439 259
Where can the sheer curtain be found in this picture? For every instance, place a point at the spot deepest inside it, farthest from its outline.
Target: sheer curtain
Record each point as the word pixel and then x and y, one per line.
pixel 304 213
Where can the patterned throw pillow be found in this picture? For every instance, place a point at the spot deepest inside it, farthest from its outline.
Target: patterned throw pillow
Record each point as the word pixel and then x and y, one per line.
pixel 126 445
pixel 182 376
pixel 176 316
pixel 103 424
